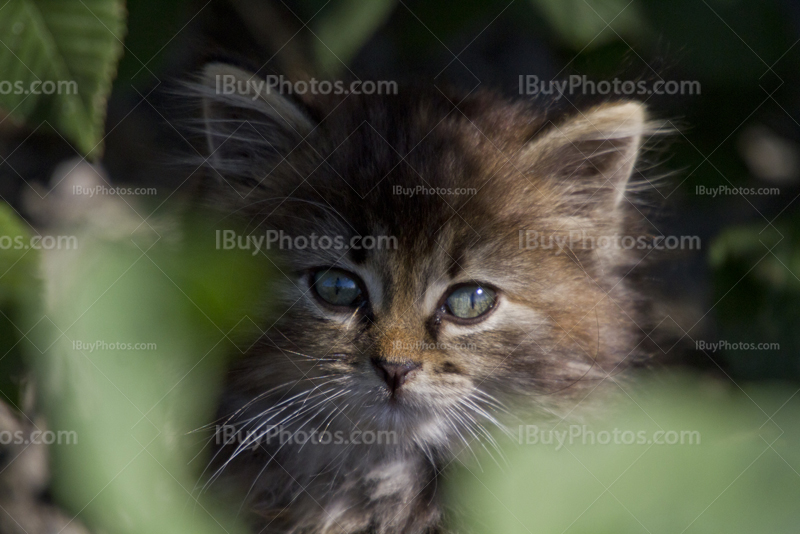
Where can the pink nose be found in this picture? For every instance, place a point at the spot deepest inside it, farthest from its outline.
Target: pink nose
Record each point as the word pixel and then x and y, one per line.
pixel 394 374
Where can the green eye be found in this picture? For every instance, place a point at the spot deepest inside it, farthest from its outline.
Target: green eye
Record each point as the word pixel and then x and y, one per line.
pixel 471 301
pixel 336 287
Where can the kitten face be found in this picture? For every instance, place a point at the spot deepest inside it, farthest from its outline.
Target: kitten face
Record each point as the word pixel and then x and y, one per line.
pixel 457 313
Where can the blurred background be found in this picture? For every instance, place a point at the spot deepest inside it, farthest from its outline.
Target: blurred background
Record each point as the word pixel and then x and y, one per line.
pixel 728 312
pixel 738 128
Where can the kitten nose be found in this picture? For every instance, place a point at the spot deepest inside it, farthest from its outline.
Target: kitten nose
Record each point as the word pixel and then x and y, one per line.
pixel 394 374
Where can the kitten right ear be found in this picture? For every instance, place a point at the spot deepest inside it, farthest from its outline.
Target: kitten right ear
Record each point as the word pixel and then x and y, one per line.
pixel 250 128
pixel 590 157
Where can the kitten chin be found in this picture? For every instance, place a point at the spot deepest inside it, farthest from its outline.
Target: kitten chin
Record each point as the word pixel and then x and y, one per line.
pixel 492 292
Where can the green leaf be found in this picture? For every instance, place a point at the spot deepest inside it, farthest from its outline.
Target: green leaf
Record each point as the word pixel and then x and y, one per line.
pixel 19 296
pixel 70 48
pixel 756 271
pixel 134 354
pixel 590 23
pixel 17 260
pixel 688 456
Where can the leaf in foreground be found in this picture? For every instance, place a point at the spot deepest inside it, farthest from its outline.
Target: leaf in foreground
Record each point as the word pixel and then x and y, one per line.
pixel 59 57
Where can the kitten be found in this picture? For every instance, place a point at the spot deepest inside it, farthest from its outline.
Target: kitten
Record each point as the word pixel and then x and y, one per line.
pixel 422 343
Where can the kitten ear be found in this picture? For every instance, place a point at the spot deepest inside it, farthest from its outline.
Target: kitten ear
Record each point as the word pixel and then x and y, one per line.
pixel 249 126
pixel 589 159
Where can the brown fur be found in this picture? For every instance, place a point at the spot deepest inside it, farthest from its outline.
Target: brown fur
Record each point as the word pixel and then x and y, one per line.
pixel 564 323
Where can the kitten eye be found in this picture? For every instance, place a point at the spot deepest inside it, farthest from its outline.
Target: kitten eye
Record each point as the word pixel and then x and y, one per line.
pixel 337 287
pixel 470 301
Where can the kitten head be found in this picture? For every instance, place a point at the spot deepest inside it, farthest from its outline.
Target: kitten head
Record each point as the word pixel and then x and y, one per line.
pixel 475 264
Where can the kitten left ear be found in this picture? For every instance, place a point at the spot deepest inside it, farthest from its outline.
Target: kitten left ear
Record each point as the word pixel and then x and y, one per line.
pixel 249 126
pixel 589 159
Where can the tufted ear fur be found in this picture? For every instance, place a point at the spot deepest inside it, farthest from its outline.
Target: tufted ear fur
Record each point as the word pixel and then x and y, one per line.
pixel 581 185
pixel 588 159
pixel 250 128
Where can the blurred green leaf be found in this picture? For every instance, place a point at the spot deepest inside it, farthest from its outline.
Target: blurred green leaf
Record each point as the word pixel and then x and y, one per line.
pixel 18 262
pixel 757 273
pixel 591 23
pixel 19 290
pixel 138 345
pixel 738 472
pixel 69 47
pixel 742 241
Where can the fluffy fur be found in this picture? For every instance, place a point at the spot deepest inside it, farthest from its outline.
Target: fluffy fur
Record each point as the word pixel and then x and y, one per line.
pixel 566 320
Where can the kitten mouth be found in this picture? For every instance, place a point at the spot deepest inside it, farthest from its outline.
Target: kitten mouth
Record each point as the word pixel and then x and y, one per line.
pixel 395 399
pixel 398 402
